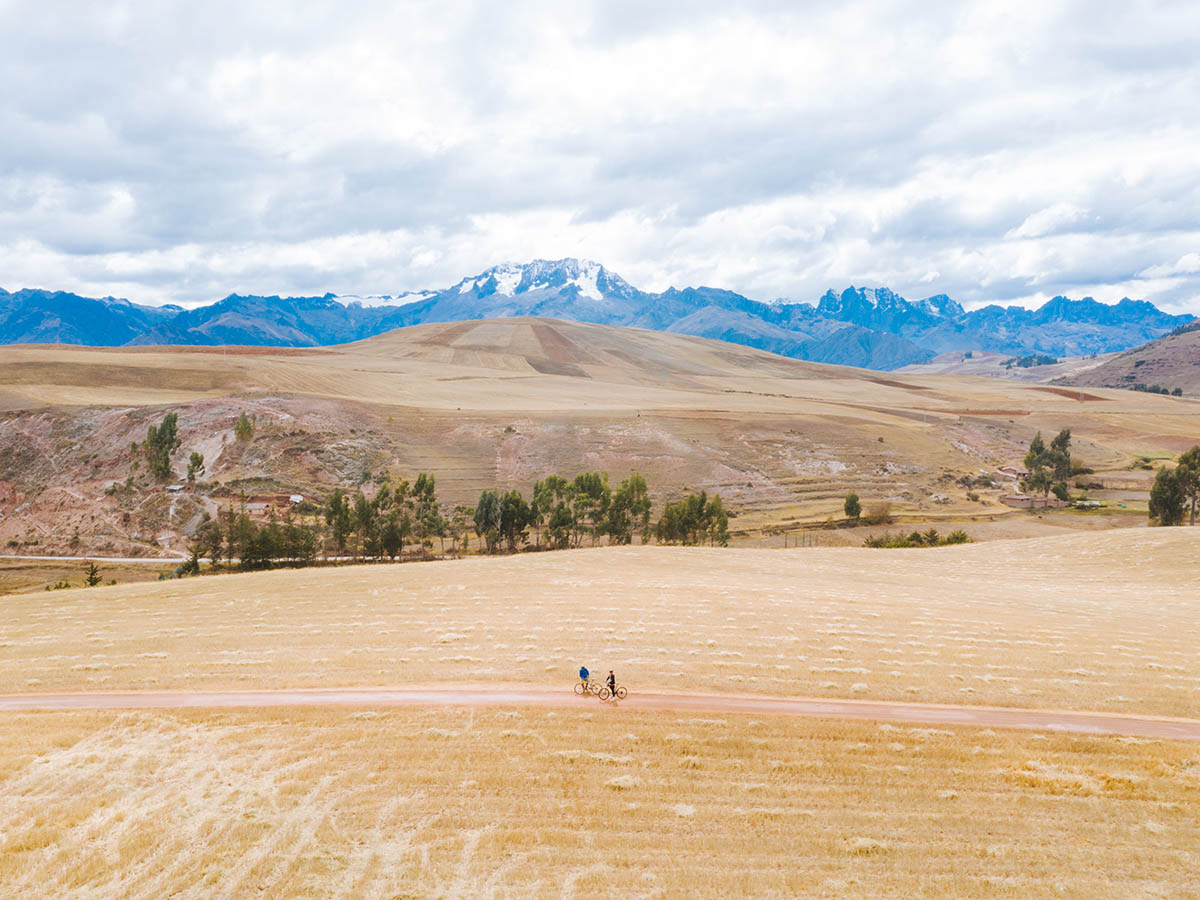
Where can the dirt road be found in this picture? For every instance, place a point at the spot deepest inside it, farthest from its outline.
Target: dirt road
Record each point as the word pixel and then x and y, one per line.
pixel 910 713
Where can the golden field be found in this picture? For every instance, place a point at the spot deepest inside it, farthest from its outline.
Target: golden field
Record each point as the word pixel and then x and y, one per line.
pixel 410 803
pixel 389 802
pixel 1106 621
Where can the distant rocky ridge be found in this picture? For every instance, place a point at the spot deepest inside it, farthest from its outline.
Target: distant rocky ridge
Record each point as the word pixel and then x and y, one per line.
pixel 871 328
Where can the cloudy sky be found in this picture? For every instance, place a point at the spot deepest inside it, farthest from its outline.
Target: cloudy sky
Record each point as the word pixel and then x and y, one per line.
pixel 992 151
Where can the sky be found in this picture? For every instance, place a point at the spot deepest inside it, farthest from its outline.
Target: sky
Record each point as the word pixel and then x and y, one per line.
pixel 995 152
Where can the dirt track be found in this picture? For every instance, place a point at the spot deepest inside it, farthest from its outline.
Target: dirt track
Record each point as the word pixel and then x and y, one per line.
pixel 979 716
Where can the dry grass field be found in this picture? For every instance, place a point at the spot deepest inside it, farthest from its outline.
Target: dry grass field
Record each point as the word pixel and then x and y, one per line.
pixel 386 802
pixel 600 802
pixel 1106 621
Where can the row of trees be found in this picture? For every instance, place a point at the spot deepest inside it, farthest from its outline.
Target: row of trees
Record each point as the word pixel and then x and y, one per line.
pixel 561 513
pixel 697 519
pixel 1176 492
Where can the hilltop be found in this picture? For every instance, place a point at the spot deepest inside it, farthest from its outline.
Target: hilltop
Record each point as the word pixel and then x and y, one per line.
pixel 871 328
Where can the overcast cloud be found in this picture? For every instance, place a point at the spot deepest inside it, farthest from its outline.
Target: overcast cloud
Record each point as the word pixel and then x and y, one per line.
pixel 994 152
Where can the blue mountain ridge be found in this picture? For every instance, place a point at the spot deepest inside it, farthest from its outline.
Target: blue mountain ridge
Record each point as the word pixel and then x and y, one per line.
pixel 871 328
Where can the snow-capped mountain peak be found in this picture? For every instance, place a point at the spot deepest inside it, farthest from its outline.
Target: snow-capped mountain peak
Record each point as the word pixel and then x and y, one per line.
pixel 588 278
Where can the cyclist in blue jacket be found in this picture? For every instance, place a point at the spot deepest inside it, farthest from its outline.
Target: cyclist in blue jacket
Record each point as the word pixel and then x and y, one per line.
pixel 584 674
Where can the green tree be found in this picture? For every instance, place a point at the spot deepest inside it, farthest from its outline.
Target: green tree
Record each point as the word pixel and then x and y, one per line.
pixel 428 521
pixel 716 522
pixel 243 428
pixel 692 520
pixel 553 508
pixel 195 466
pixel 161 441
pixel 397 526
pixel 1187 473
pixel 209 539
pixel 91 574
pixel 592 496
pixel 367 524
pixel 515 516
pixel 238 537
pixel 487 519
pixel 340 519
pixel 1058 457
pixel 852 507
pixel 1049 465
pixel 1167 498
pixel 629 511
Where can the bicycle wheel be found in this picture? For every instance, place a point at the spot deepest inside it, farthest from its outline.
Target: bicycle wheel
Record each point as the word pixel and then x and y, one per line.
pixel 621 692
pixel 580 688
pixel 604 693
pixel 595 687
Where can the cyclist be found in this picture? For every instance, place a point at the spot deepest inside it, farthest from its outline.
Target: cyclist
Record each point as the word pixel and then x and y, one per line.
pixel 584 674
pixel 612 684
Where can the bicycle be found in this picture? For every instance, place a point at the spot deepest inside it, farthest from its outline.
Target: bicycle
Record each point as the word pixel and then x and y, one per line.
pixel 591 686
pixel 606 694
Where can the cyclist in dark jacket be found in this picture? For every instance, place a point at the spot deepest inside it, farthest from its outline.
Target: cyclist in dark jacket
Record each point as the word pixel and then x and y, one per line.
pixel 612 683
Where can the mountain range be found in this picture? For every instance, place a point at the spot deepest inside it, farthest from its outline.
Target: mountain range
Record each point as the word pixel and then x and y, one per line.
pixel 867 327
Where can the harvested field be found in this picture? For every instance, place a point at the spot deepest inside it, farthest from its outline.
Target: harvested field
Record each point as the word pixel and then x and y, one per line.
pixel 599 802
pixel 1104 621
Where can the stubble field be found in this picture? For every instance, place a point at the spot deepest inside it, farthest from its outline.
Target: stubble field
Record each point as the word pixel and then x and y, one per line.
pixel 406 803
pixel 1106 621
pixel 599 800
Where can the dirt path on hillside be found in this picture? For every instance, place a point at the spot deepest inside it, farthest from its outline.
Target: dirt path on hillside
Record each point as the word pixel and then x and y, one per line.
pixel 911 713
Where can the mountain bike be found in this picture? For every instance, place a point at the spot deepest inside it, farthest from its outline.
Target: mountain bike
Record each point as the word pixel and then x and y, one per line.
pixel 591 686
pixel 606 694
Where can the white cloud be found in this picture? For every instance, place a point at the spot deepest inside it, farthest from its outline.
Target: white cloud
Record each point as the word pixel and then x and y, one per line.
pixel 177 152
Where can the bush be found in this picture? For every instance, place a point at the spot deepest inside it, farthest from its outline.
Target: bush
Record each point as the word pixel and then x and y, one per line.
pixel 929 538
